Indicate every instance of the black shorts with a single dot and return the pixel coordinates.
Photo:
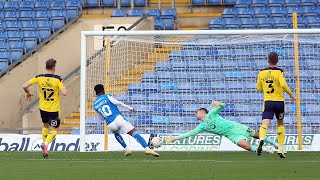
(50, 117)
(272, 108)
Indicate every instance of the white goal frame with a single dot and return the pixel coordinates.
(85, 34)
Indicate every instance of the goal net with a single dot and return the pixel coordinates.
(166, 76)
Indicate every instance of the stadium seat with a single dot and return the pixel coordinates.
(168, 24)
(276, 3)
(45, 28)
(198, 2)
(5, 56)
(169, 13)
(13, 25)
(3, 64)
(165, 76)
(150, 87)
(247, 64)
(230, 13)
(196, 65)
(58, 15)
(160, 120)
(15, 36)
(11, 6)
(265, 23)
(259, 3)
(292, 3)
(236, 75)
(229, 2)
(314, 22)
(108, 3)
(150, 77)
(155, 98)
(229, 110)
(261, 12)
(58, 5)
(308, 2)
(214, 2)
(139, 3)
(249, 23)
(311, 11)
(57, 23)
(153, 12)
(217, 23)
(26, 5)
(303, 22)
(125, 3)
(1, 15)
(138, 98)
(1, 5)
(30, 43)
(3, 36)
(278, 12)
(172, 98)
(135, 12)
(179, 65)
(43, 15)
(168, 87)
(243, 4)
(291, 10)
(4, 46)
(92, 3)
(31, 34)
(73, 5)
(245, 12)
(119, 13)
(16, 54)
(158, 23)
(72, 14)
(42, 5)
(27, 15)
(233, 23)
(282, 23)
(11, 16)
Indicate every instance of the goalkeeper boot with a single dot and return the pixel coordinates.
(259, 149)
(281, 152)
(128, 152)
(45, 151)
(152, 153)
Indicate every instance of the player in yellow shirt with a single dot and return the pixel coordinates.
(272, 83)
(50, 86)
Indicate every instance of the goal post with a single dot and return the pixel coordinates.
(167, 75)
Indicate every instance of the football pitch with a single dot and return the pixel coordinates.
(170, 165)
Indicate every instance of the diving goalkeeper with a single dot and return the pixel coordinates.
(212, 122)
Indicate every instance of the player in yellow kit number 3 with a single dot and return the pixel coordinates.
(50, 86)
(272, 83)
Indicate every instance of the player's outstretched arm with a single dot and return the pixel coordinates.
(119, 103)
(259, 84)
(217, 107)
(285, 87)
(194, 132)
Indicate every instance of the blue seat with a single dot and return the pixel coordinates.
(15, 36)
(237, 75)
(198, 76)
(168, 24)
(311, 109)
(311, 11)
(303, 22)
(160, 120)
(259, 3)
(249, 23)
(16, 55)
(13, 25)
(214, 2)
(196, 65)
(43, 15)
(247, 64)
(3, 36)
(123, 98)
(26, 5)
(58, 15)
(278, 12)
(265, 23)
(170, 97)
(31, 34)
(72, 14)
(181, 76)
(119, 13)
(5, 56)
(139, 3)
(230, 13)
(11, 6)
(292, 3)
(58, 5)
(150, 87)
(162, 66)
(155, 98)
(169, 13)
(185, 87)
(276, 3)
(198, 2)
(3, 64)
(229, 2)
(153, 12)
(57, 24)
(1, 5)
(138, 98)
(229, 110)
(165, 76)
(150, 77)
(309, 2)
(189, 109)
(92, 3)
(282, 23)
(30, 43)
(4, 46)
(108, 3)
(168, 87)
(217, 23)
(135, 12)
(233, 23)
(291, 10)
(236, 85)
(202, 86)
(27, 15)
(245, 12)
(188, 98)
(158, 24)
(261, 12)
(243, 4)
(45, 32)
(174, 109)
(42, 5)
(314, 22)
(11, 16)
(74, 5)
(176, 55)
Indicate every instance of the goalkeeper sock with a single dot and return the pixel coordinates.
(263, 132)
(269, 140)
(281, 133)
(120, 140)
(45, 132)
(51, 136)
(140, 139)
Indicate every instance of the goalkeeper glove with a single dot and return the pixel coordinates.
(171, 139)
(215, 103)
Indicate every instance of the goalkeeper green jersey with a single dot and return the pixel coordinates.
(213, 123)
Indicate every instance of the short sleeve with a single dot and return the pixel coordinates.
(33, 80)
(61, 86)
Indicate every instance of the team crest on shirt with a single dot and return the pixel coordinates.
(209, 117)
(48, 79)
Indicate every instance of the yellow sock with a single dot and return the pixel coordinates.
(281, 133)
(51, 136)
(263, 131)
(45, 132)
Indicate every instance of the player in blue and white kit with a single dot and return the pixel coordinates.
(106, 106)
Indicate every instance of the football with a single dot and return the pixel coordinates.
(156, 142)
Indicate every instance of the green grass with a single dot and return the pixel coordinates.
(171, 165)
